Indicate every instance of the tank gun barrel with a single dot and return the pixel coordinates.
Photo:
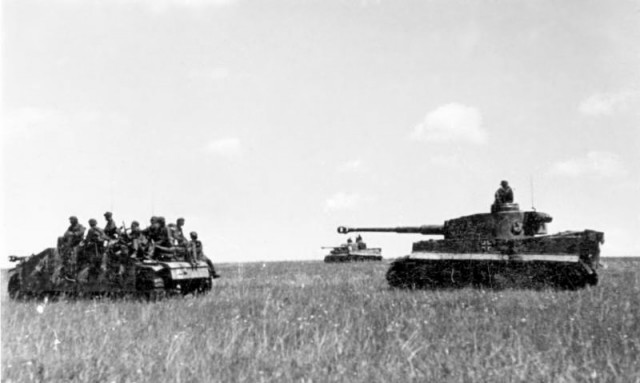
(424, 229)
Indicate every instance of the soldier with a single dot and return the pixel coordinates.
(74, 234)
(134, 240)
(111, 229)
(67, 248)
(195, 248)
(359, 243)
(178, 233)
(504, 194)
(95, 237)
(160, 238)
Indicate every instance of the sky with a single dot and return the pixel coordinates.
(267, 124)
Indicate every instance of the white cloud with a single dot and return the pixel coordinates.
(352, 166)
(600, 164)
(451, 122)
(604, 104)
(343, 201)
(226, 147)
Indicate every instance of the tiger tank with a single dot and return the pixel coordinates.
(505, 247)
(353, 252)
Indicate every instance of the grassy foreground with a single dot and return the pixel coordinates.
(315, 322)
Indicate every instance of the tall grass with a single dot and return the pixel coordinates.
(315, 322)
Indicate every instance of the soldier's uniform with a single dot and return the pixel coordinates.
(67, 245)
(502, 196)
(73, 236)
(95, 238)
(111, 229)
(196, 251)
(135, 239)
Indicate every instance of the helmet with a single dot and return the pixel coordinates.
(108, 214)
(93, 222)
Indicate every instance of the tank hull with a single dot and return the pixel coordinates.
(364, 255)
(47, 274)
(352, 258)
(568, 260)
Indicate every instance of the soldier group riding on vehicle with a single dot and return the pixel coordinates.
(154, 260)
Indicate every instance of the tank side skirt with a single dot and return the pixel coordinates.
(495, 257)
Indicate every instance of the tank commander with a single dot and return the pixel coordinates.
(111, 229)
(504, 194)
(360, 245)
(195, 249)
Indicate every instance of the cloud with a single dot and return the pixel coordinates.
(225, 147)
(600, 164)
(343, 201)
(604, 104)
(451, 122)
(352, 166)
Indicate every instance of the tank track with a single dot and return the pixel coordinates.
(427, 274)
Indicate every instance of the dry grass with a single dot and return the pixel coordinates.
(311, 321)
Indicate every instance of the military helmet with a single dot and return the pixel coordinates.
(108, 214)
(93, 222)
(193, 235)
(504, 183)
(73, 218)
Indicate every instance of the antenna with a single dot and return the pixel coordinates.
(533, 205)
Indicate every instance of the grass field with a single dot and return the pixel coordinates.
(316, 322)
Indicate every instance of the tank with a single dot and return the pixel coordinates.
(86, 272)
(353, 252)
(503, 248)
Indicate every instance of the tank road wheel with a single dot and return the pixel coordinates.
(205, 286)
(152, 289)
(14, 287)
(405, 274)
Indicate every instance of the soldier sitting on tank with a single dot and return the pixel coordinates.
(178, 234)
(73, 236)
(359, 243)
(161, 240)
(95, 238)
(111, 230)
(135, 240)
(197, 254)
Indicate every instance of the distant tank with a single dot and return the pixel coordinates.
(85, 272)
(353, 252)
(503, 248)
